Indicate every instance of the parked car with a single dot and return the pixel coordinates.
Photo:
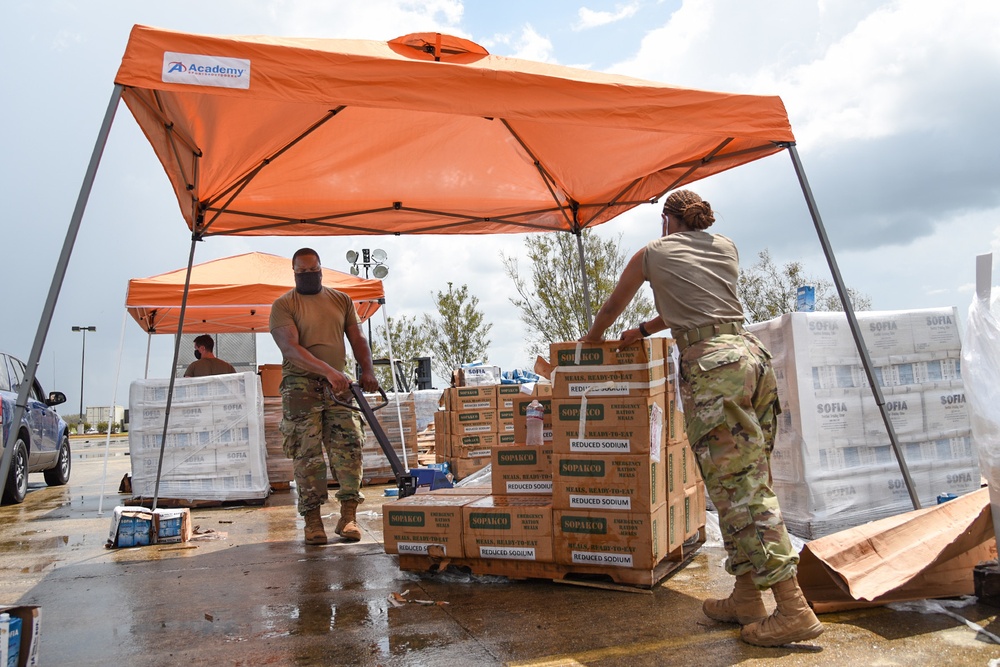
(42, 443)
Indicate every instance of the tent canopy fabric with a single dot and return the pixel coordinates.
(424, 134)
(232, 295)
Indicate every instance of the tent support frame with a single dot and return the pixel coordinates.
(852, 320)
(173, 368)
(57, 280)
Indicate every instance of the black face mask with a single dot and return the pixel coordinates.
(197, 354)
(309, 283)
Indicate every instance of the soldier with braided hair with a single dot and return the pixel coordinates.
(730, 399)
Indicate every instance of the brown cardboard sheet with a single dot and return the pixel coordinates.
(926, 553)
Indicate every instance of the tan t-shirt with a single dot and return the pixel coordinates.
(693, 277)
(321, 320)
(200, 368)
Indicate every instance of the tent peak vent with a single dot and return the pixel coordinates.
(438, 47)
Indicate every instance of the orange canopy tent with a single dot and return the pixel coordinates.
(232, 295)
(425, 134)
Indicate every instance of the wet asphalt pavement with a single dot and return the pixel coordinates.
(249, 592)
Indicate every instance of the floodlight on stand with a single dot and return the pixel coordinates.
(355, 270)
(380, 271)
(352, 257)
(379, 255)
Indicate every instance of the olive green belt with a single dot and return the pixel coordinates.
(689, 337)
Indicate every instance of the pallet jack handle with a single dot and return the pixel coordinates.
(405, 482)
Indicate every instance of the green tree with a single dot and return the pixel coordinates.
(458, 335)
(552, 301)
(768, 291)
(409, 340)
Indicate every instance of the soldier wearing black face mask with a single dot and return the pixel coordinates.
(309, 324)
(207, 363)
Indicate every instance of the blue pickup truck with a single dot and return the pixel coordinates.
(42, 443)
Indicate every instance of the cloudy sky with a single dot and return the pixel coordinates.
(893, 105)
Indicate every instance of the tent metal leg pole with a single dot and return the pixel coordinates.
(397, 390)
(111, 416)
(149, 342)
(583, 275)
(173, 370)
(852, 321)
(57, 280)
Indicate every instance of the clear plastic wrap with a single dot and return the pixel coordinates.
(981, 370)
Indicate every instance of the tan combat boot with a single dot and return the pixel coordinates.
(347, 527)
(744, 605)
(792, 621)
(314, 527)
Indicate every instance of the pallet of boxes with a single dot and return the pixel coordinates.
(613, 492)
(833, 464)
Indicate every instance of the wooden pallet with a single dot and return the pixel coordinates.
(192, 503)
(630, 580)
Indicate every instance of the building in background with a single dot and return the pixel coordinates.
(112, 415)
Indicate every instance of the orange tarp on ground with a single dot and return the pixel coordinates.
(232, 295)
(424, 134)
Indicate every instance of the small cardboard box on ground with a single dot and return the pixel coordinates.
(610, 538)
(522, 470)
(131, 526)
(30, 634)
(636, 370)
(172, 525)
(508, 528)
(415, 524)
(627, 483)
(609, 425)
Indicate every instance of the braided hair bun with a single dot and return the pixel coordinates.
(692, 210)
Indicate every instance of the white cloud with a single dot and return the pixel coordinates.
(589, 18)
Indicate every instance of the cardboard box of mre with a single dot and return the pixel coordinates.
(522, 470)
(610, 538)
(425, 524)
(636, 370)
(626, 483)
(609, 425)
(469, 398)
(509, 528)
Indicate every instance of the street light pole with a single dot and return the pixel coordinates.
(83, 361)
(369, 258)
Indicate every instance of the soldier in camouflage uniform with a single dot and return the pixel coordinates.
(730, 399)
(309, 324)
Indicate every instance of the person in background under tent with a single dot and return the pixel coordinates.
(206, 363)
(309, 324)
(730, 398)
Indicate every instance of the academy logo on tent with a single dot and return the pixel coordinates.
(201, 70)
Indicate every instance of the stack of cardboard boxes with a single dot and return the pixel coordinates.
(398, 420)
(471, 422)
(833, 463)
(612, 489)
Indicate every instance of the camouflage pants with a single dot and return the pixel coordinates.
(730, 405)
(312, 421)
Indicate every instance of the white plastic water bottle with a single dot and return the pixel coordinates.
(534, 416)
